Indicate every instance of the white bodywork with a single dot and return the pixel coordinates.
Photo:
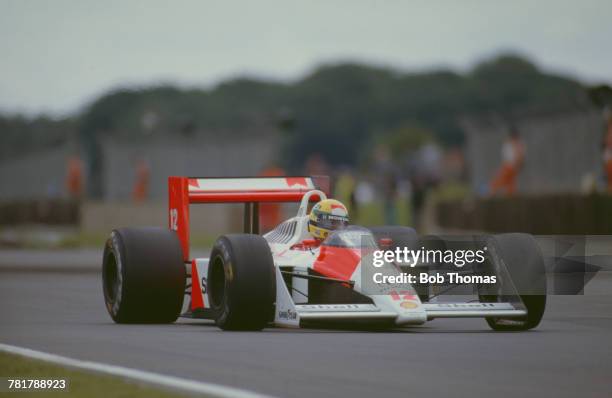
(395, 305)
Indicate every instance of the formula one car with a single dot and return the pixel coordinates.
(251, 281)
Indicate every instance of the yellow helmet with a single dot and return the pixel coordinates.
(326, 216)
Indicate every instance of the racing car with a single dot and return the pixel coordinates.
(286, 278)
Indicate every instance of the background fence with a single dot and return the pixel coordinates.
(548, 214)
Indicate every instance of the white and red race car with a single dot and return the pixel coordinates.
(285, 278)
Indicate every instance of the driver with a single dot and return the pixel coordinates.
(326, 216)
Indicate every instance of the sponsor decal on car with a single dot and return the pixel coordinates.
(288, 315)
(402, 294)
(408, 305)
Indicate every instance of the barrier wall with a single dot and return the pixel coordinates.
(547, 214)
(211, 219)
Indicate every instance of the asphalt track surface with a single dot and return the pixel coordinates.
(569, 355)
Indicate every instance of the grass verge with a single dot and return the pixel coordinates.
(81, 384)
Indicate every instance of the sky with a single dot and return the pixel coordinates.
(56, 56)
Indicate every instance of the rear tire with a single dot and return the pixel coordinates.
(143, 275)
(525, 264)
(241, 282)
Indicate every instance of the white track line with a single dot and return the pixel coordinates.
(193, 386)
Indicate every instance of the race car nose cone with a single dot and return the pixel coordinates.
(416, 317)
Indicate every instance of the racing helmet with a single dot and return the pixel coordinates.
(326, 216)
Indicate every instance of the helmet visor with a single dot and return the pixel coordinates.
(331, 221)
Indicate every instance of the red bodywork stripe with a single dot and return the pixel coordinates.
(178, 215)
(196, 288)
(337, 262)
(291, 181)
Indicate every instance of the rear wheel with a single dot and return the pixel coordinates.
(143, 275)
(241, 282)
(524, 263)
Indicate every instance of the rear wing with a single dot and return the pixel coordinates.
(183, 191)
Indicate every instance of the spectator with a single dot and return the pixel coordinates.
(141, 183)
(425, 173)
(316, 165)
(513, 156)
(74, 177)
(345, 186)
(386, 177)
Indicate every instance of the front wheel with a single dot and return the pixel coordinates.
(241, 282)
(524, 263)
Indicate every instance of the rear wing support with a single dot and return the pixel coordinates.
(184, 191)
(251, 218)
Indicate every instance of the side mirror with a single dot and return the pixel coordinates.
(385, 242)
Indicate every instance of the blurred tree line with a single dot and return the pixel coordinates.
(19, 134)
(338, 110)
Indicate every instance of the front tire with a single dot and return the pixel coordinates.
(143, 275)
(241, 282)
(525, 265)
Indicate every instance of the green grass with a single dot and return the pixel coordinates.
(81, 384)
(372, 214)
(451, 191)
